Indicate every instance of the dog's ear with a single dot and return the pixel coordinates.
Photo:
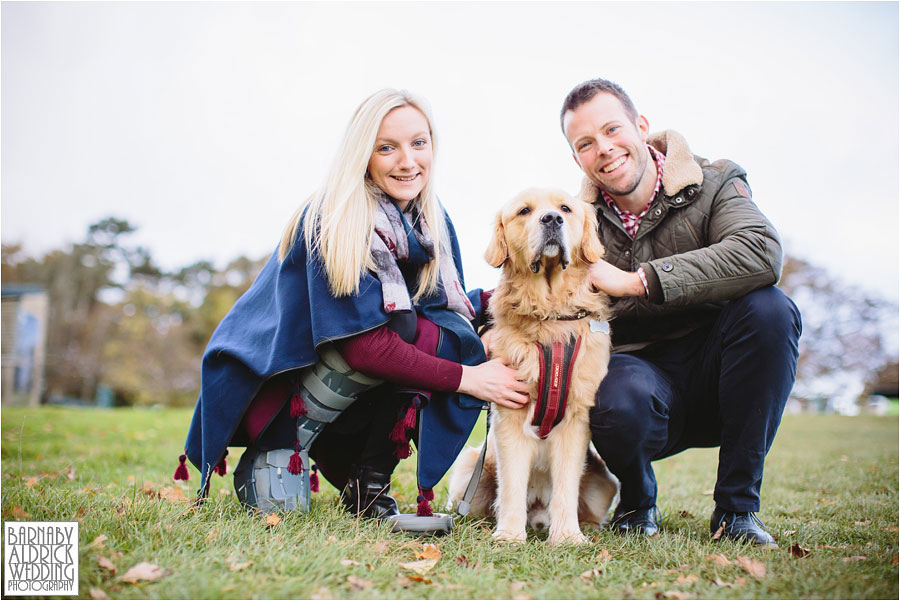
(591, 248)
(497, 252)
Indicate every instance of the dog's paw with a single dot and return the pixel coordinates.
(567, 538)
(509, 537)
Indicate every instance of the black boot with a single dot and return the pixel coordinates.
(367, 493)
(742, 526)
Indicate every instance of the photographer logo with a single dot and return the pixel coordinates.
(40, 558)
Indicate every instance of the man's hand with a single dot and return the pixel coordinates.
(615, 282)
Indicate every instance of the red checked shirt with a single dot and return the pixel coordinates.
(632, 222)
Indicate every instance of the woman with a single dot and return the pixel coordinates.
(369, 262)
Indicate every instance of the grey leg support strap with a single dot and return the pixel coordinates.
(328, 388)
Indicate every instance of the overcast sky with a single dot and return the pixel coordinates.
(205, 124)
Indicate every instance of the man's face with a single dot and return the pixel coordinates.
(610, 147)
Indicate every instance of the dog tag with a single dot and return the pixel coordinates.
(599, 326)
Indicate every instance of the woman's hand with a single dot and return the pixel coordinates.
(494, 382)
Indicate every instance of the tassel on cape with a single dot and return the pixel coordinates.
(181, 472)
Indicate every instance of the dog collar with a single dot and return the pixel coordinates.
(581, 314)
(556, 364)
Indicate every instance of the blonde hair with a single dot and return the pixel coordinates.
(340, 216)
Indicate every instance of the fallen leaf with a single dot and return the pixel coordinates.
(106, 564)
(844, 458)
(603, 556)
(272, 520)
(423, 566)
(173, 495)
(890, 529)
(719, 582)
(895, 559)
(798, 551)
(239, 566)
(359, 583)
(402, 581)
(71, 474)
(755, 568)
(789, 533)
(671, 595)
(591, 574)
(855, 558)
(421, 579)
(97, 542)
(719, 532)
(97, 593)
(18, 513)
(429, 551)
(143, 571)
(322, 593)
(825, 501)
(130, 478)
(332, 539)
(463, 561)
(516, 585)
(381, 547)
(709, 492)
(31, 481)
(740, 581)
(686, 514)
(683, 580)
(865, 523)
(718, 559)
(836, 547)
(349, 562)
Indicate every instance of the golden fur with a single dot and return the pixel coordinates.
(545, 275)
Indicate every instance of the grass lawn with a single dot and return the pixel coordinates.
(831, 488)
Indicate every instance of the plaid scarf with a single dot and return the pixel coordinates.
(391, 244)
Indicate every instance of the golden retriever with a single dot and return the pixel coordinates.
(545, 241)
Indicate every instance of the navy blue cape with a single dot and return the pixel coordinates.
(276, 326)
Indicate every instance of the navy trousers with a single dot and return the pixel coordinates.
(724, 385)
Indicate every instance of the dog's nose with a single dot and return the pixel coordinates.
(552, 218)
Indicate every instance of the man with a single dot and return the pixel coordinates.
(705, 347)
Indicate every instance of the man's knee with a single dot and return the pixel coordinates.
(624, 402)
(768, 311)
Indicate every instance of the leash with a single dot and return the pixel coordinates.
(462, 508)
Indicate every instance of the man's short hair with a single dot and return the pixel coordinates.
(586, 91)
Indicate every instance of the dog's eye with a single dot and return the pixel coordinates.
(565, 209)
(524, 211)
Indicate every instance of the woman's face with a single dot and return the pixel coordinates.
(401, 161)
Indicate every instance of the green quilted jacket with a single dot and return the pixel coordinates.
(703, 242)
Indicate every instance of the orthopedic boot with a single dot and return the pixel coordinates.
(279, 479)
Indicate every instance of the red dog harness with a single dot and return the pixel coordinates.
(553, 385)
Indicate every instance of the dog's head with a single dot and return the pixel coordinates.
(543, 227)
